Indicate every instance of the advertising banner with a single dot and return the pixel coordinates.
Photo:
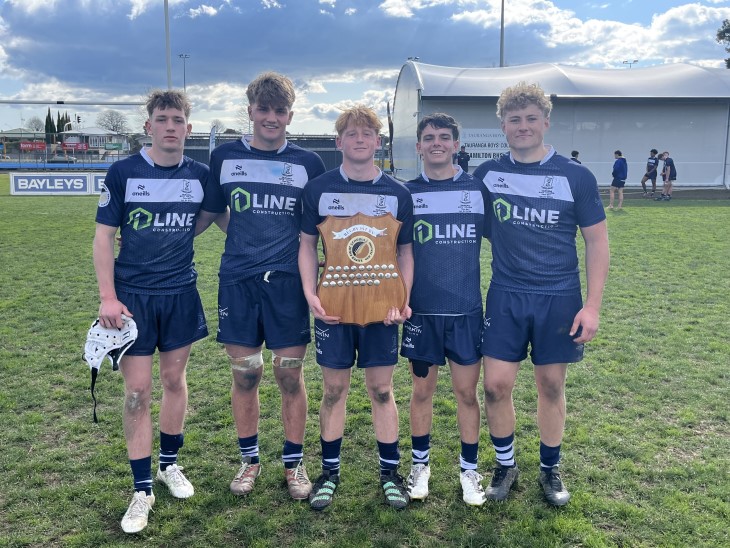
(45, 183)
(484, 144)
(32, 145)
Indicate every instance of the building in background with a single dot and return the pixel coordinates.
(679, 107)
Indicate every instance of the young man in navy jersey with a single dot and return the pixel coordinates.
(260, 295)
(652, 164)
(154, 199)
(446, 300)
(357, 186)
(669, 175)
(537, 202)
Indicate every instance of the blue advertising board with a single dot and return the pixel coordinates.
(45, 183)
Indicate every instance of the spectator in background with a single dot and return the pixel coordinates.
(574, 156)
(619, 174)
(652, 166)
(669, 175)
(462, 158)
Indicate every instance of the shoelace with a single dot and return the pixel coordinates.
(415, 475)
(299, 474)
(555, 481)
(499, 474)
(474, 479)
(174, 474)
(242, 471)
(139, 507)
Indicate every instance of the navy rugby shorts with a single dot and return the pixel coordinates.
(513, 321)
(434, 339)
(267, 307)
(165, 322)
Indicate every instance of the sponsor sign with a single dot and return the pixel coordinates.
(484, 144)
(32, 145)
(112, 146)
(96, 181)
(75, 146)
(45, 183)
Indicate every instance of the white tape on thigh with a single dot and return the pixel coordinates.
(286, 363)
(247, 363)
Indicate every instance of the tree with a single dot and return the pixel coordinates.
(723, 37)
(36, 124)
(242, 119)
(219, 126)
(113, 121)
(49, 127)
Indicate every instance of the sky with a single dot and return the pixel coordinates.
(337, 52)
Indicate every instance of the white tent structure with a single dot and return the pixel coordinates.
(681, 108)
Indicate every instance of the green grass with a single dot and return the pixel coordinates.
(647, 441)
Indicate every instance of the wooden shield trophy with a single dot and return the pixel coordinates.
(361, 280)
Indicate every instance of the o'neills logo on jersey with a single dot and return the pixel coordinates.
(419, 204)
(141, 191)
(238, 171)
(449, 233)
(335, 205)
(527, 216)
(242, 200)
(500, 183)
(141, 219)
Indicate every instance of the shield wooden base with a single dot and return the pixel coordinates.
(361, 280)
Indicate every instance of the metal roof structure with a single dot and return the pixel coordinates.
(677, 80)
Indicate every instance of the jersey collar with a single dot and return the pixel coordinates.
(346, 178)
(150, 161)
(248, 145)
(458, 173)
(550, 153)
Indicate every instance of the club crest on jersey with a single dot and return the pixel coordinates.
(287, 176)
(380, 206)
(105, 197)
(186, 194)
(546, 191)
(465, 202)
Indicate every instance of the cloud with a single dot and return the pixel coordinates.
(337, 53)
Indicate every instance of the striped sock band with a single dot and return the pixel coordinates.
(469, 456)
(249, 447)
(505, 449)
(421, 449)
(292, 454)
(331, 455)
(549, 456)
(389, 456)
(169, 446)
(142, 473)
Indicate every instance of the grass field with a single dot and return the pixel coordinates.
(646, 450)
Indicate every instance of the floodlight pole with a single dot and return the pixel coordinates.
(631, 62)
(184, 57)
(167, 46)
(501, 38)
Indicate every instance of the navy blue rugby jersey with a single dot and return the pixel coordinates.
(448, 227)
(334, 194)
(535, 210)
(652, 164)
(156, 208)
(263, 190)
